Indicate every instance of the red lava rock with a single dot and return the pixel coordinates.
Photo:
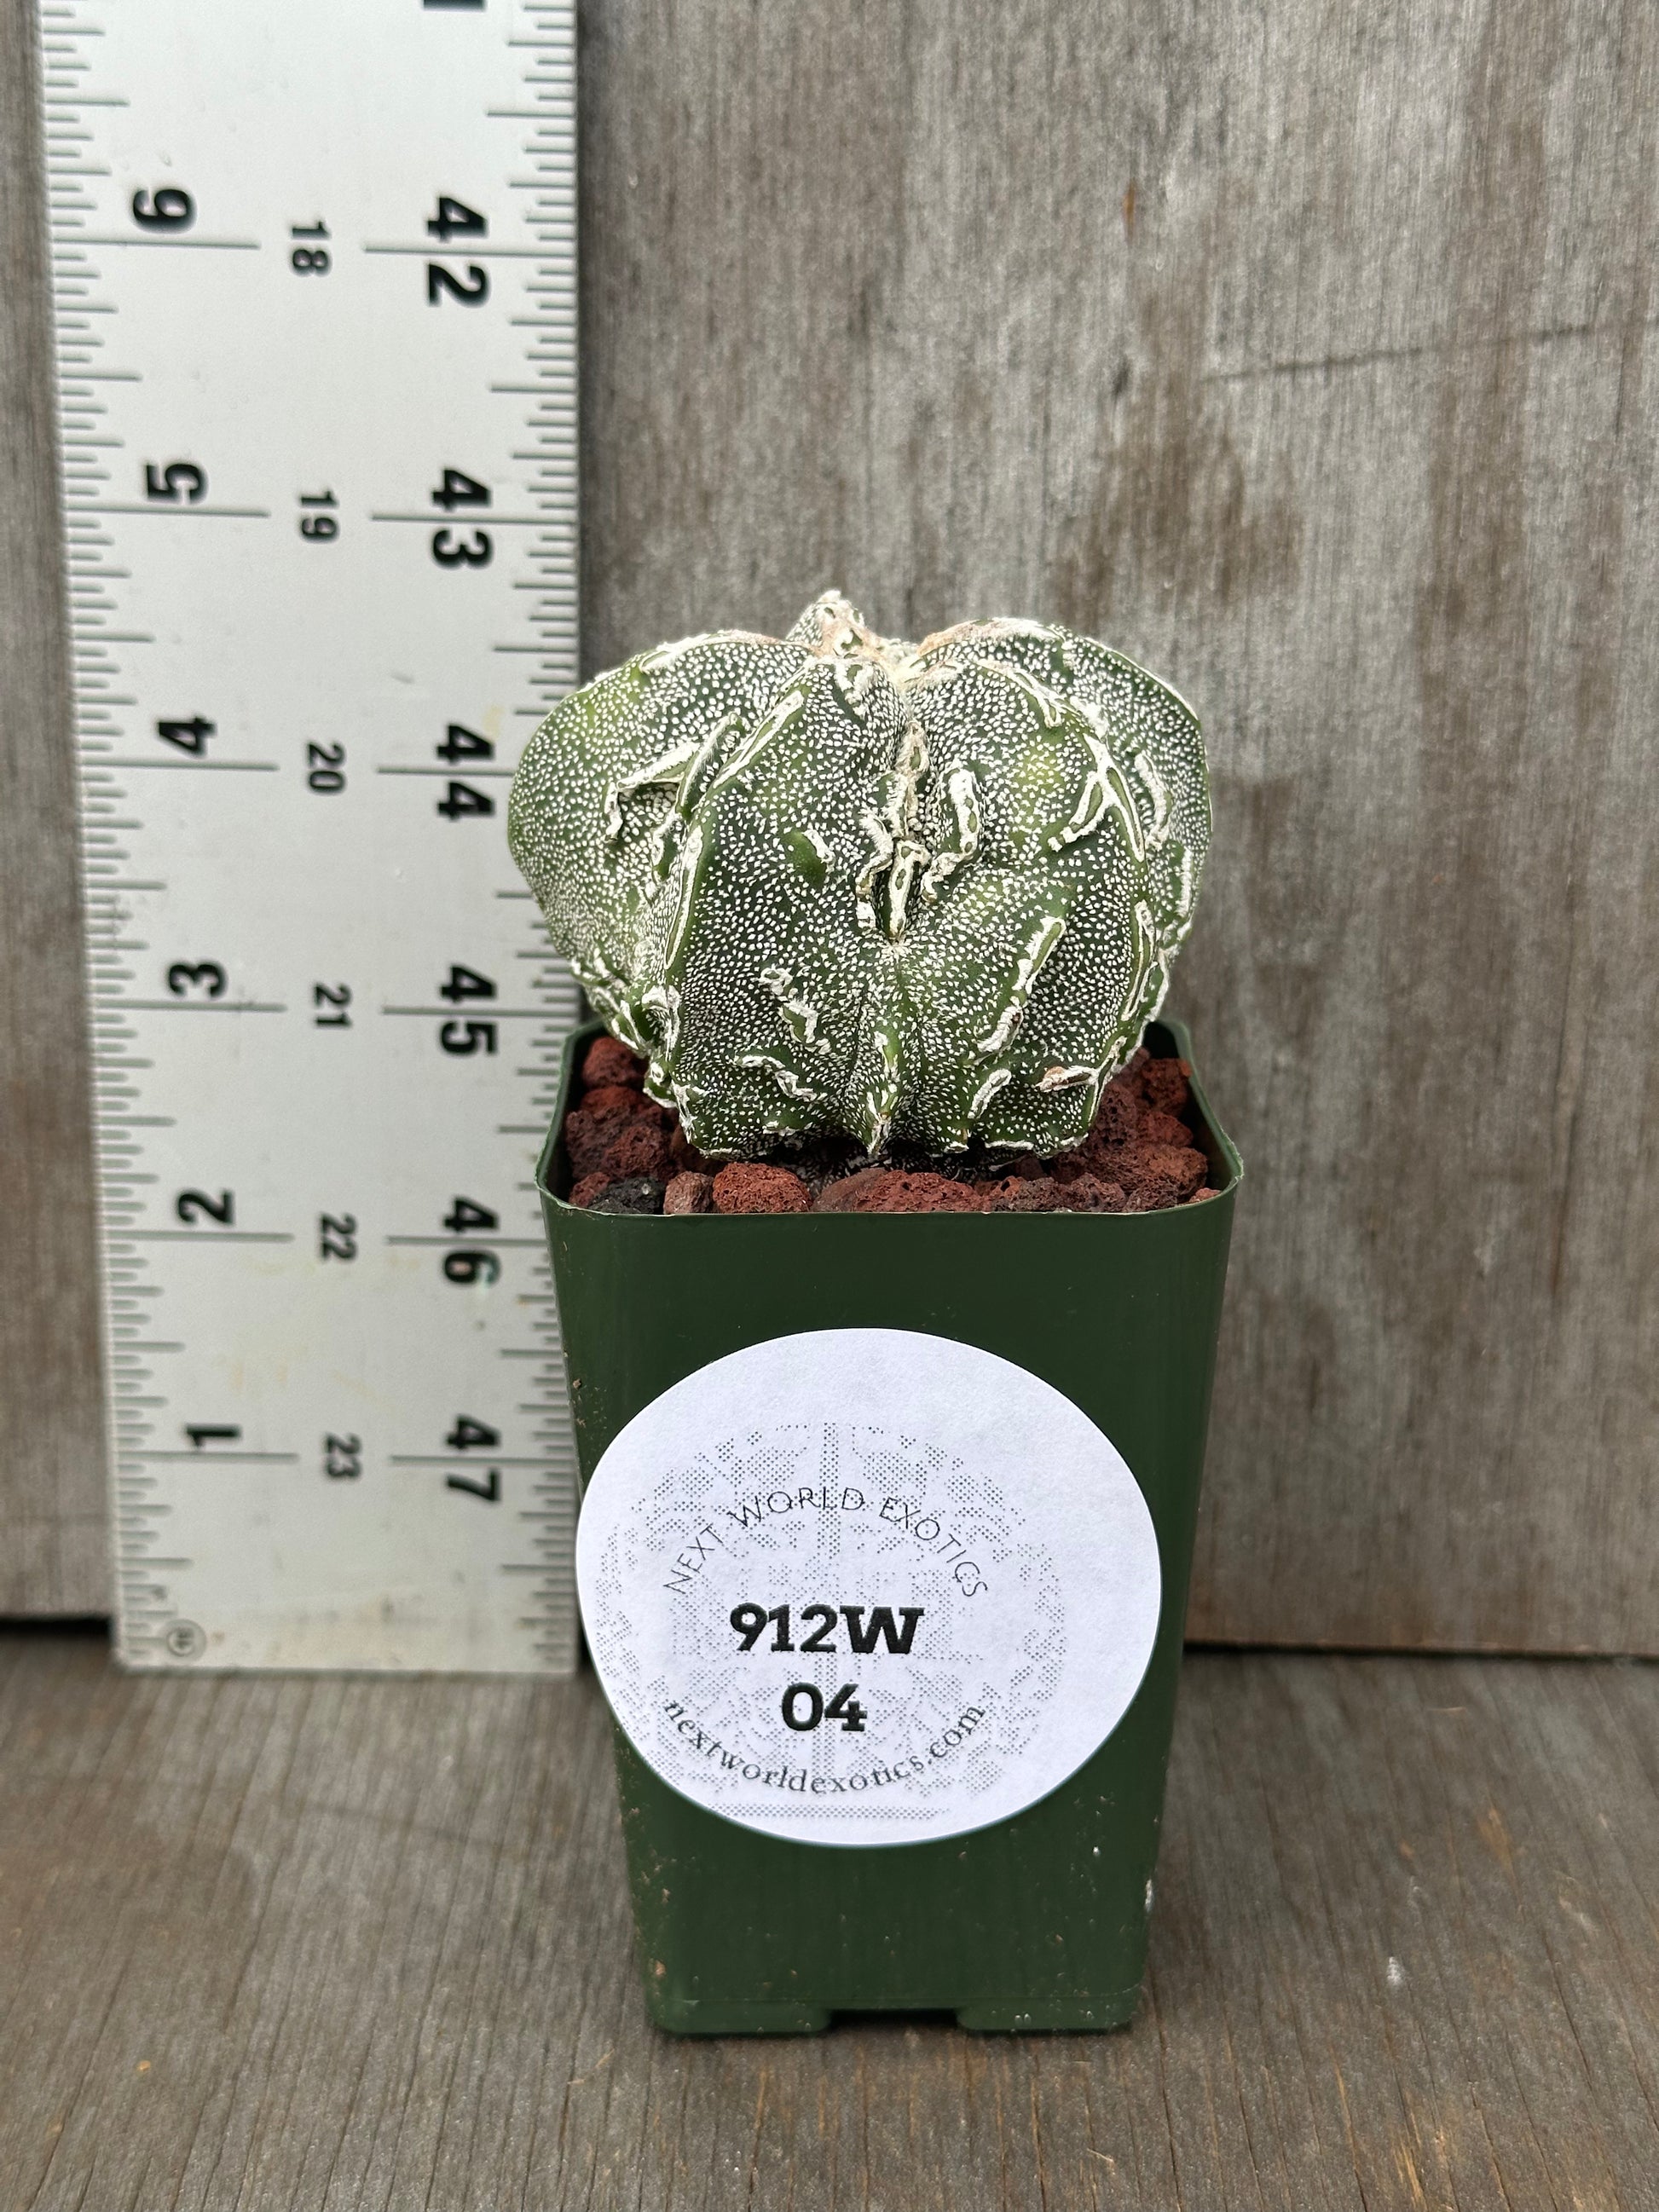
(607, 1101)
(1084, 1194)
(1160, 1128)
(747, 1186)
(1139, 1114)
(1016, 1193)
(1118, 1116)
(1066, 1167)
(586, 1141)
(689, 1193)
(637, 1148)
(617, 1145)
(1138, 1158)
(619, 1131)
(1102, 1159)
(920, 1192)
(1089, 1194)
(842, 1196)
(687, 1160)
(1164, 1083)
(606, 1061)
(1157, 1176)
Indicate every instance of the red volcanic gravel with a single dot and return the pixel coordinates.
(1165, 1083)
(1023, 1195)
(1162, 1175)
(638, 1149)
(689, 1194)
(892, 1192)
(617, 1145)
(750, 1187)
(616, 1131)
(1090, 1194)
(1118, 1116)
(843, 1197)
(586, 1142)
(687, 1160)
(1065, 1167)
(607, 1061)
(627, 1154)
(1083, 1193)
(609, 1102)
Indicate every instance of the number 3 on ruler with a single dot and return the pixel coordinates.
(221, 1121)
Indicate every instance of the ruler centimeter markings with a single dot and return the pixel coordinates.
(314, 283)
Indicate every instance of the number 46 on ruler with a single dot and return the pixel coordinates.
(316, 341)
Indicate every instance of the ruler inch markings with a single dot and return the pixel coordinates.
(275, 356)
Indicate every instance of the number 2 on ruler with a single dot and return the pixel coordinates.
(319, 432)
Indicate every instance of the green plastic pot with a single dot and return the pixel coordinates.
(1038, 1922)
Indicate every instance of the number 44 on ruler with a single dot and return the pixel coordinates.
(316, 348)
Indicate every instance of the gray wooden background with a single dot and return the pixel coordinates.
(1303, 351)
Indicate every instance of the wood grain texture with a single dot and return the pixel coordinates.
(352, 1945)
(1305, 354)
(52, 1547)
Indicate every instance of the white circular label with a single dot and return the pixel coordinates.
(865, 1586)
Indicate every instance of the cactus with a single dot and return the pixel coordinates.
(834, 882)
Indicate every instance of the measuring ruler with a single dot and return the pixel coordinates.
(315, 279)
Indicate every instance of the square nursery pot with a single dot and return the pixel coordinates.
(883, 1550)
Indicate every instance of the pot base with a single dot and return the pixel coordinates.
(710, 2016)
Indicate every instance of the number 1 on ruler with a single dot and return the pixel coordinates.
(319, 426)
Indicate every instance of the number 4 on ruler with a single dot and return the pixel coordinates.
(313, 634)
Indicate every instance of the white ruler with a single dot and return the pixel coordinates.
(314, 274)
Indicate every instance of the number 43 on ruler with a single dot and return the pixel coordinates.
(316, 338)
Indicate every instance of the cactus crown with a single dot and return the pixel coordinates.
(838, 882)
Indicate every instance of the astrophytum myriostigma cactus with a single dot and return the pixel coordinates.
(837, 882)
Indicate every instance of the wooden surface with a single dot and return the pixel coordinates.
(52, 1547)
(1303, 352)
(328, 1944)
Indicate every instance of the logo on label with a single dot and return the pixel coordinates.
(866, 1586)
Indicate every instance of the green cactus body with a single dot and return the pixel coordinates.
(837, 882)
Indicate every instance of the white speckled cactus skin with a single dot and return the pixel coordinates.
(834, 881)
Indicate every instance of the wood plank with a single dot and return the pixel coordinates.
(51, 1465)
(1303, 354)
(365, 1943)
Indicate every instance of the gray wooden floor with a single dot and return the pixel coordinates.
(308, 1943)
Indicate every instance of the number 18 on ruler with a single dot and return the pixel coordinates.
(313, 272)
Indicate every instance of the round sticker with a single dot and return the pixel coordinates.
(865, 1586)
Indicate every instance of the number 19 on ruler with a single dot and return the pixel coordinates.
(316, 343)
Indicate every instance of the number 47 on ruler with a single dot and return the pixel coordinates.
(316, 349)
